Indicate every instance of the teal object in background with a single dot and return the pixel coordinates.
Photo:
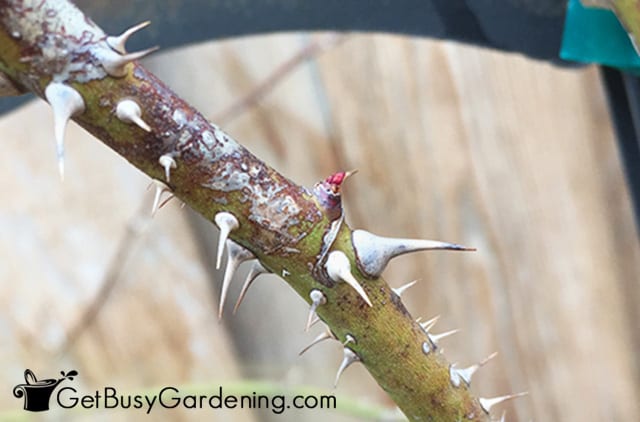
(596, 36)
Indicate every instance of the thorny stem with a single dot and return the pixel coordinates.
(283, 224)
(139, 222)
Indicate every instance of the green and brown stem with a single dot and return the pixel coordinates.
(285, 225)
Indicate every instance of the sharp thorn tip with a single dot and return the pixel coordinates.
(236, 255)
(349, 357)
(488, 403)
(321, 337)
(374, 252)
(339, 268)
(400, 290)
(256, 270)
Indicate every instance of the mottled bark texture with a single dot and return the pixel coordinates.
(52, 49)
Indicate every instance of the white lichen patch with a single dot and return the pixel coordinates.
(229, 179)
(219, 133)
(57, 17)
(179, 117)
(62, 34)
(208, 139)
(269, 206)
(225, 147)
(184, 137)
(213, 144)
(218, 145)
(272, 210)
(253, 172)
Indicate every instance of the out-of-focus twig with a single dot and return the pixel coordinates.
(259, 91)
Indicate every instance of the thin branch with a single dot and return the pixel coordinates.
(258, 92)
(52, 49)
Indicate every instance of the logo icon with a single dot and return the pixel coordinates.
(37, 392)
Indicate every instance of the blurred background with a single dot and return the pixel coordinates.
(492, 150)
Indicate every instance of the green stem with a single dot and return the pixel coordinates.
(287, 227)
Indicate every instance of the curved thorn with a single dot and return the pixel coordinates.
(166, 201)
(129, 112)
(348, 358)
(160, 188)
(255, 270)
(435, 338)
(236, 255)
(373, 252)
(168, 163)
(118, 43)
(317, 298)
(226, 222)
(400, 290)
(339, 268)
(321, 337)
(115, 64)
(315, 321)
(487, 404)
(65, 102)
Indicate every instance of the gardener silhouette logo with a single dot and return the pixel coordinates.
(37, 392)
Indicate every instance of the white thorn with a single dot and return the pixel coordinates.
(168, 163)
(315, 320)
(255, 270)
(435, 338)
(348, 358)
(339, 268)
(487, 404)
(400, 290)
(226, 222)
(326, 335)
(236, 255)
(118, 43)
(115, 63)
(349, 339)
(428, 325)
(465, 374)
(169, 198)
(374, 252)
(160, 189)
(317, 298)
(503, 418)
(129, 112)
(65, 102)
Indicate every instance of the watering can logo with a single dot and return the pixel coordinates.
(37, 392)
